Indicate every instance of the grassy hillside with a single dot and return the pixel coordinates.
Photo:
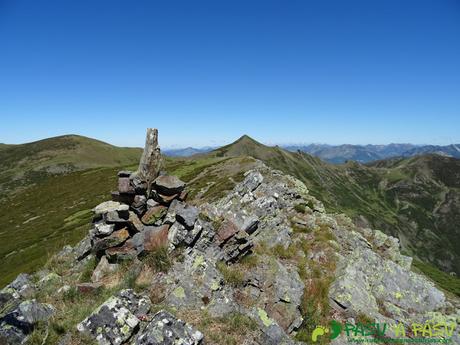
(416, 199)
(29, 163)
(39, 220)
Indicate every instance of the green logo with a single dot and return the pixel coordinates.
(335, 326)
(430, 331)
(320, 330)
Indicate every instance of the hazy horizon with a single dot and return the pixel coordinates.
(284, 144)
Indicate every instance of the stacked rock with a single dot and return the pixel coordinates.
(134, 223)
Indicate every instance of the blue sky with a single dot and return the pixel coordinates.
(206, 72)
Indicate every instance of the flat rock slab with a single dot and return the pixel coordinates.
(108, 206)
(168, 185)
(166, 329)
(117, 319)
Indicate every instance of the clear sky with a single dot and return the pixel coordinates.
(206, 72)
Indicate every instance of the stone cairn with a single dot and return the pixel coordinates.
(137, 219)
(148, 211)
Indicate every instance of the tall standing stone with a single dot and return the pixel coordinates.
(151, 161)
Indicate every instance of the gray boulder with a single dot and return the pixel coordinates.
(252, 180)
(107, 206)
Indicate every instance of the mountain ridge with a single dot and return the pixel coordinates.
(25, 163)
(397, 198)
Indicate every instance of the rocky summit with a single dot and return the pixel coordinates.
(264, 264)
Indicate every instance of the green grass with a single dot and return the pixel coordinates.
(158, 260)
(232, 329)
(442, 279)
(300, 208)
(40, 220)
(233, 275)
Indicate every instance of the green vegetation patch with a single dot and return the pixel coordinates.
(444, 280)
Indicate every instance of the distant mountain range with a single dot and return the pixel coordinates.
(338, 154)
(368, 153)
(188, 151)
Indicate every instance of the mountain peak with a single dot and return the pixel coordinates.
(244, 146)
(245, 137)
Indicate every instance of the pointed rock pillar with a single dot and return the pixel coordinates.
(151, 160)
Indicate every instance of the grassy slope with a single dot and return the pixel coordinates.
(38, 221)
(30, 163)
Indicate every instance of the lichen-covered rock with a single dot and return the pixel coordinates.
(176, 235)
(250, 183)
(165, 329)
(154, 214)
(366, 280)
(16, 325)
(103, 229)
(115, 321)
